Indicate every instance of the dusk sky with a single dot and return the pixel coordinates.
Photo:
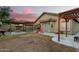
(40, 9)
(31, 13)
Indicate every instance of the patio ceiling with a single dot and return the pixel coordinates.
(70, 14)
(21, 22)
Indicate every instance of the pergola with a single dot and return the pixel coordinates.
(24, 23)
(67, 15)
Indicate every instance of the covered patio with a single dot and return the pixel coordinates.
(72, 14)
(23, 25)
(66, 39)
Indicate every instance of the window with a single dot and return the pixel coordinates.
(51, 25)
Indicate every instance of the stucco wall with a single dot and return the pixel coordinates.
(63, 26)
(52, 27)
(75, 27)
(47, 17)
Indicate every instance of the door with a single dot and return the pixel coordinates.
(46, 27)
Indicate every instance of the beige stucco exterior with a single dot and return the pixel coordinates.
(46, 17)
(72, 26)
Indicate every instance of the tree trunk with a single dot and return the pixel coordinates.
(10, 29)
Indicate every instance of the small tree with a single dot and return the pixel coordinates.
(5, 14)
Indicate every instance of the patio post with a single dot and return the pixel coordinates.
(66, 27)
(23, 27)
(59, 28)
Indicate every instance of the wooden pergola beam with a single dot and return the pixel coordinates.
(76, 10)
(71, 16)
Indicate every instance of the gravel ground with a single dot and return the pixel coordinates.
(32, 42)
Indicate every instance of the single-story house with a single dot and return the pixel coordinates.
(49, 23)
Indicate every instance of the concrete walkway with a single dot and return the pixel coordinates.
(14, 33)
(68, 41)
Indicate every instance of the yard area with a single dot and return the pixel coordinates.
(31, 42)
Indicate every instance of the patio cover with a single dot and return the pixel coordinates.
(67, 15)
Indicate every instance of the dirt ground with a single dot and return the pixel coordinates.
(32, 42)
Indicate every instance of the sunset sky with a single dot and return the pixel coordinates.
(40, 9)
(31, 13)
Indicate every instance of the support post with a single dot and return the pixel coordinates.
(23, 27)
(9, 29)
(40, 28)
(59, 28)
(66, 28)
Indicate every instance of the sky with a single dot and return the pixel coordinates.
(40, 9)
(31, 13)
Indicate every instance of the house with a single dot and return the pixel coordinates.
(49, 23)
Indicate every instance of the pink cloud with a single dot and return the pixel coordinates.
(24, 17)
(27, 11)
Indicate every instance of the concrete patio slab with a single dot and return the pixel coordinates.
(68, 41)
